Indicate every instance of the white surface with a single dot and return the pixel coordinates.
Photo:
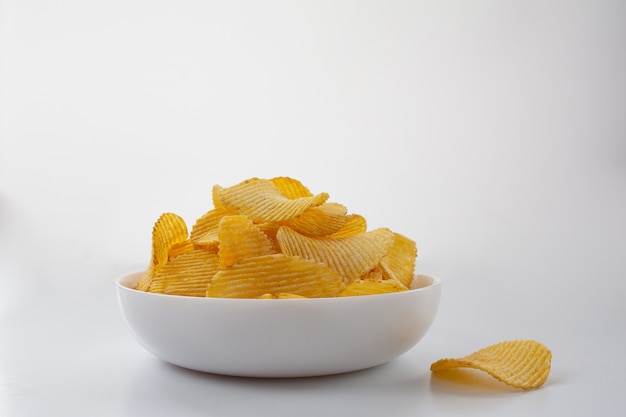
(491, 132)
(279, 338)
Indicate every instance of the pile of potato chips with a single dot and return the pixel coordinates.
(273, 238)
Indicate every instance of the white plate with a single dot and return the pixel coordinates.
(279, 337)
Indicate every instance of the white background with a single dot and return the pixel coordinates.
(491, 132)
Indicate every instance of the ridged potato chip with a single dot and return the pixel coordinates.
(207, 225)
(262, 201)
(523, 364)
(169, 230)
(321, 220)
(239, 238)
(273, 274)
(188, 274)
(270, 230)
(369, 287)
(350, 256)
(209, 241)
(179, 249)
(355, 224)
(399, 262)
(291, 188)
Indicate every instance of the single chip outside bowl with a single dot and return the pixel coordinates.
(279, 338)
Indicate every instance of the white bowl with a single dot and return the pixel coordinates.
(279, 337)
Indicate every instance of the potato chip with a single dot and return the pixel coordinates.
(270, 229)
(291, 188)
(169, 230)
(320, 220)
(217, 203)
(209, 241)
(521, 364)
(369, 287)
(179, 249)
(188, 274)
(206, 224)
(350, 256)
(355, 224)
(239, 238)
(262, 201)
(399, 262)
(146, 278)
(274, 274)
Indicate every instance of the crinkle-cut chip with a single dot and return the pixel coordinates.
(320, 220)
(291, 188)
(275, 274)
(209, 222)
(399, 262)
(369, 287)
(521, 364)
(168, 230)
(209, 241)
(355, 225)
(179, 249)
(270, 230)
(146, 278)
(263, 201)
(350, 256)
(239, 238)
(187, 274)
(217, 203)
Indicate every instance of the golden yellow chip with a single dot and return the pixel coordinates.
(291, 188)
(208, 224)
(321, 220)
(180, 248)
(369, 287)
(274, 274)
(270, 230)
(355, 224)
(521, 364)
(263, 201)
(209, 241)
(350, 256)
(187, 274)
(146, 278)
(169, 230)
(399, 262)
(217, 203)
(239, 238)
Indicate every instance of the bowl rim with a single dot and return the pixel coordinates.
(124, 282)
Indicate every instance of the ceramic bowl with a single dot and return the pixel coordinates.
(279, 337)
